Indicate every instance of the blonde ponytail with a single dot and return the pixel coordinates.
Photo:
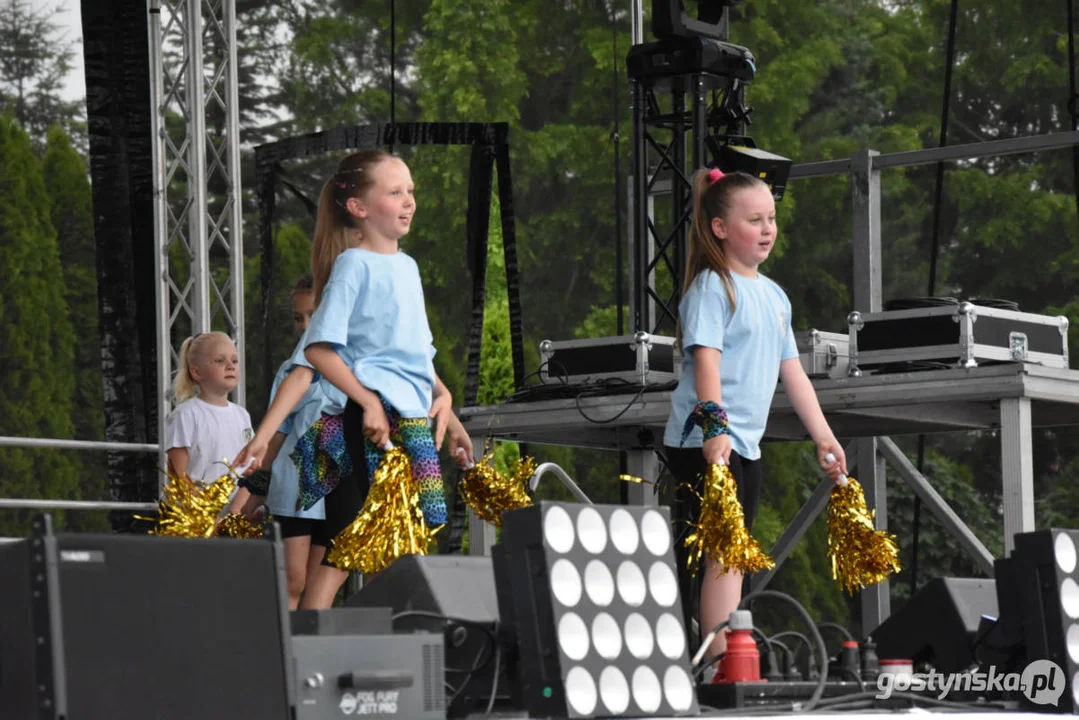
(185, 387)
(711, 199)
(351, 180)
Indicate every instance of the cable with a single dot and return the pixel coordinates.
(623, 411)
(706, 642)
(498, 669)
(495, 649)
(748, 600)
(830, 704)
(836, 626)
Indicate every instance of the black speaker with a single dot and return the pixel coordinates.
(939, 624)
(113, 627)
(454, 595)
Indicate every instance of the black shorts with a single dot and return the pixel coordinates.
(299, 527)
(344, 503)
(686, 465)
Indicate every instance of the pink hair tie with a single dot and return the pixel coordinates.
(714, 174)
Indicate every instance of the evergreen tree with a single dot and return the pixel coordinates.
(36, 337)
(34, 59)
(71, 211)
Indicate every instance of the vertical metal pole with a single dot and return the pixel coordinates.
(196, 169)
(680, 195)
(236, 218)
(865, 220)
(636, 21)
(1017, 469)
(641, 308)
(161, 234)
(643, 464)
(876, 599)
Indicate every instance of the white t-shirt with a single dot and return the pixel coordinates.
(211, 433)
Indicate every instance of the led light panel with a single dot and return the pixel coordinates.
(595, 601)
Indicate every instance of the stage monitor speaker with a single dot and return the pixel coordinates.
(118, 627)
(453, 595)
(938, 625)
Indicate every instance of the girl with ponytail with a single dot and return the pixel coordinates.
(736, 338)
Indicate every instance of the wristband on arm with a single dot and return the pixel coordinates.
(710, 418)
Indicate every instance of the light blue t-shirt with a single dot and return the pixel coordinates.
(372, 313)
(753, 340)
(284, 484)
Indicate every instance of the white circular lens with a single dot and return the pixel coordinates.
(624, 533)
(573, 636)
(631, 584)
(678, 688)
(598, 583)
(580, 691)
(1064, 549)
(591, 530)
(565, 582)
(1075, 689)
(670, 636)
(646, 690)
(614, 690)
(558, 529)
(606, 637)
(663, 584)
(639, 640)
(1072, 641)
(1069, 598)
(655, 532)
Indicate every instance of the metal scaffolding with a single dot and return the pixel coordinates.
(198, 223)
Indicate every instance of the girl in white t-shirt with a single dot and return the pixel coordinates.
(206, 431)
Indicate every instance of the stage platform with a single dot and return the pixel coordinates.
(868, 406)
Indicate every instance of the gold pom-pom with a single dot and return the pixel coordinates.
(720, 531)
(235, 525)
(490, 493)
(390, 524)
(860, 554)
(191, 509)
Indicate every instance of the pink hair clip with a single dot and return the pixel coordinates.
(714, 174)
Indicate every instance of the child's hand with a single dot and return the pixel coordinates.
(250, 458)
(376, 426)
(460, 445)
(441, 412)
(834, 467)
(717, 450)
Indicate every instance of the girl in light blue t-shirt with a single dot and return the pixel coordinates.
(735, 333)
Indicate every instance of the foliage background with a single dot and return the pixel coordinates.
(834, 76)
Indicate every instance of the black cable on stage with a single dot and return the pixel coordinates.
(934, 252)
(393, 69)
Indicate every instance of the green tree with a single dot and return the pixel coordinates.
(36, 337)
(34, 59)
(71, 213)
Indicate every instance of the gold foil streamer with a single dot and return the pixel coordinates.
(389, 525)
(860, 554)
(489, 493)
(720, 531)
(235, 525)
(191, 509)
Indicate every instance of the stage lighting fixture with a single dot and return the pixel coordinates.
(1045, 565)
(593, 594)
(670, 19)
(732, 154)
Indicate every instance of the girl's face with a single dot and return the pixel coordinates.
(749, 230)
(217, 366)
(387, 207)
(303, 307)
